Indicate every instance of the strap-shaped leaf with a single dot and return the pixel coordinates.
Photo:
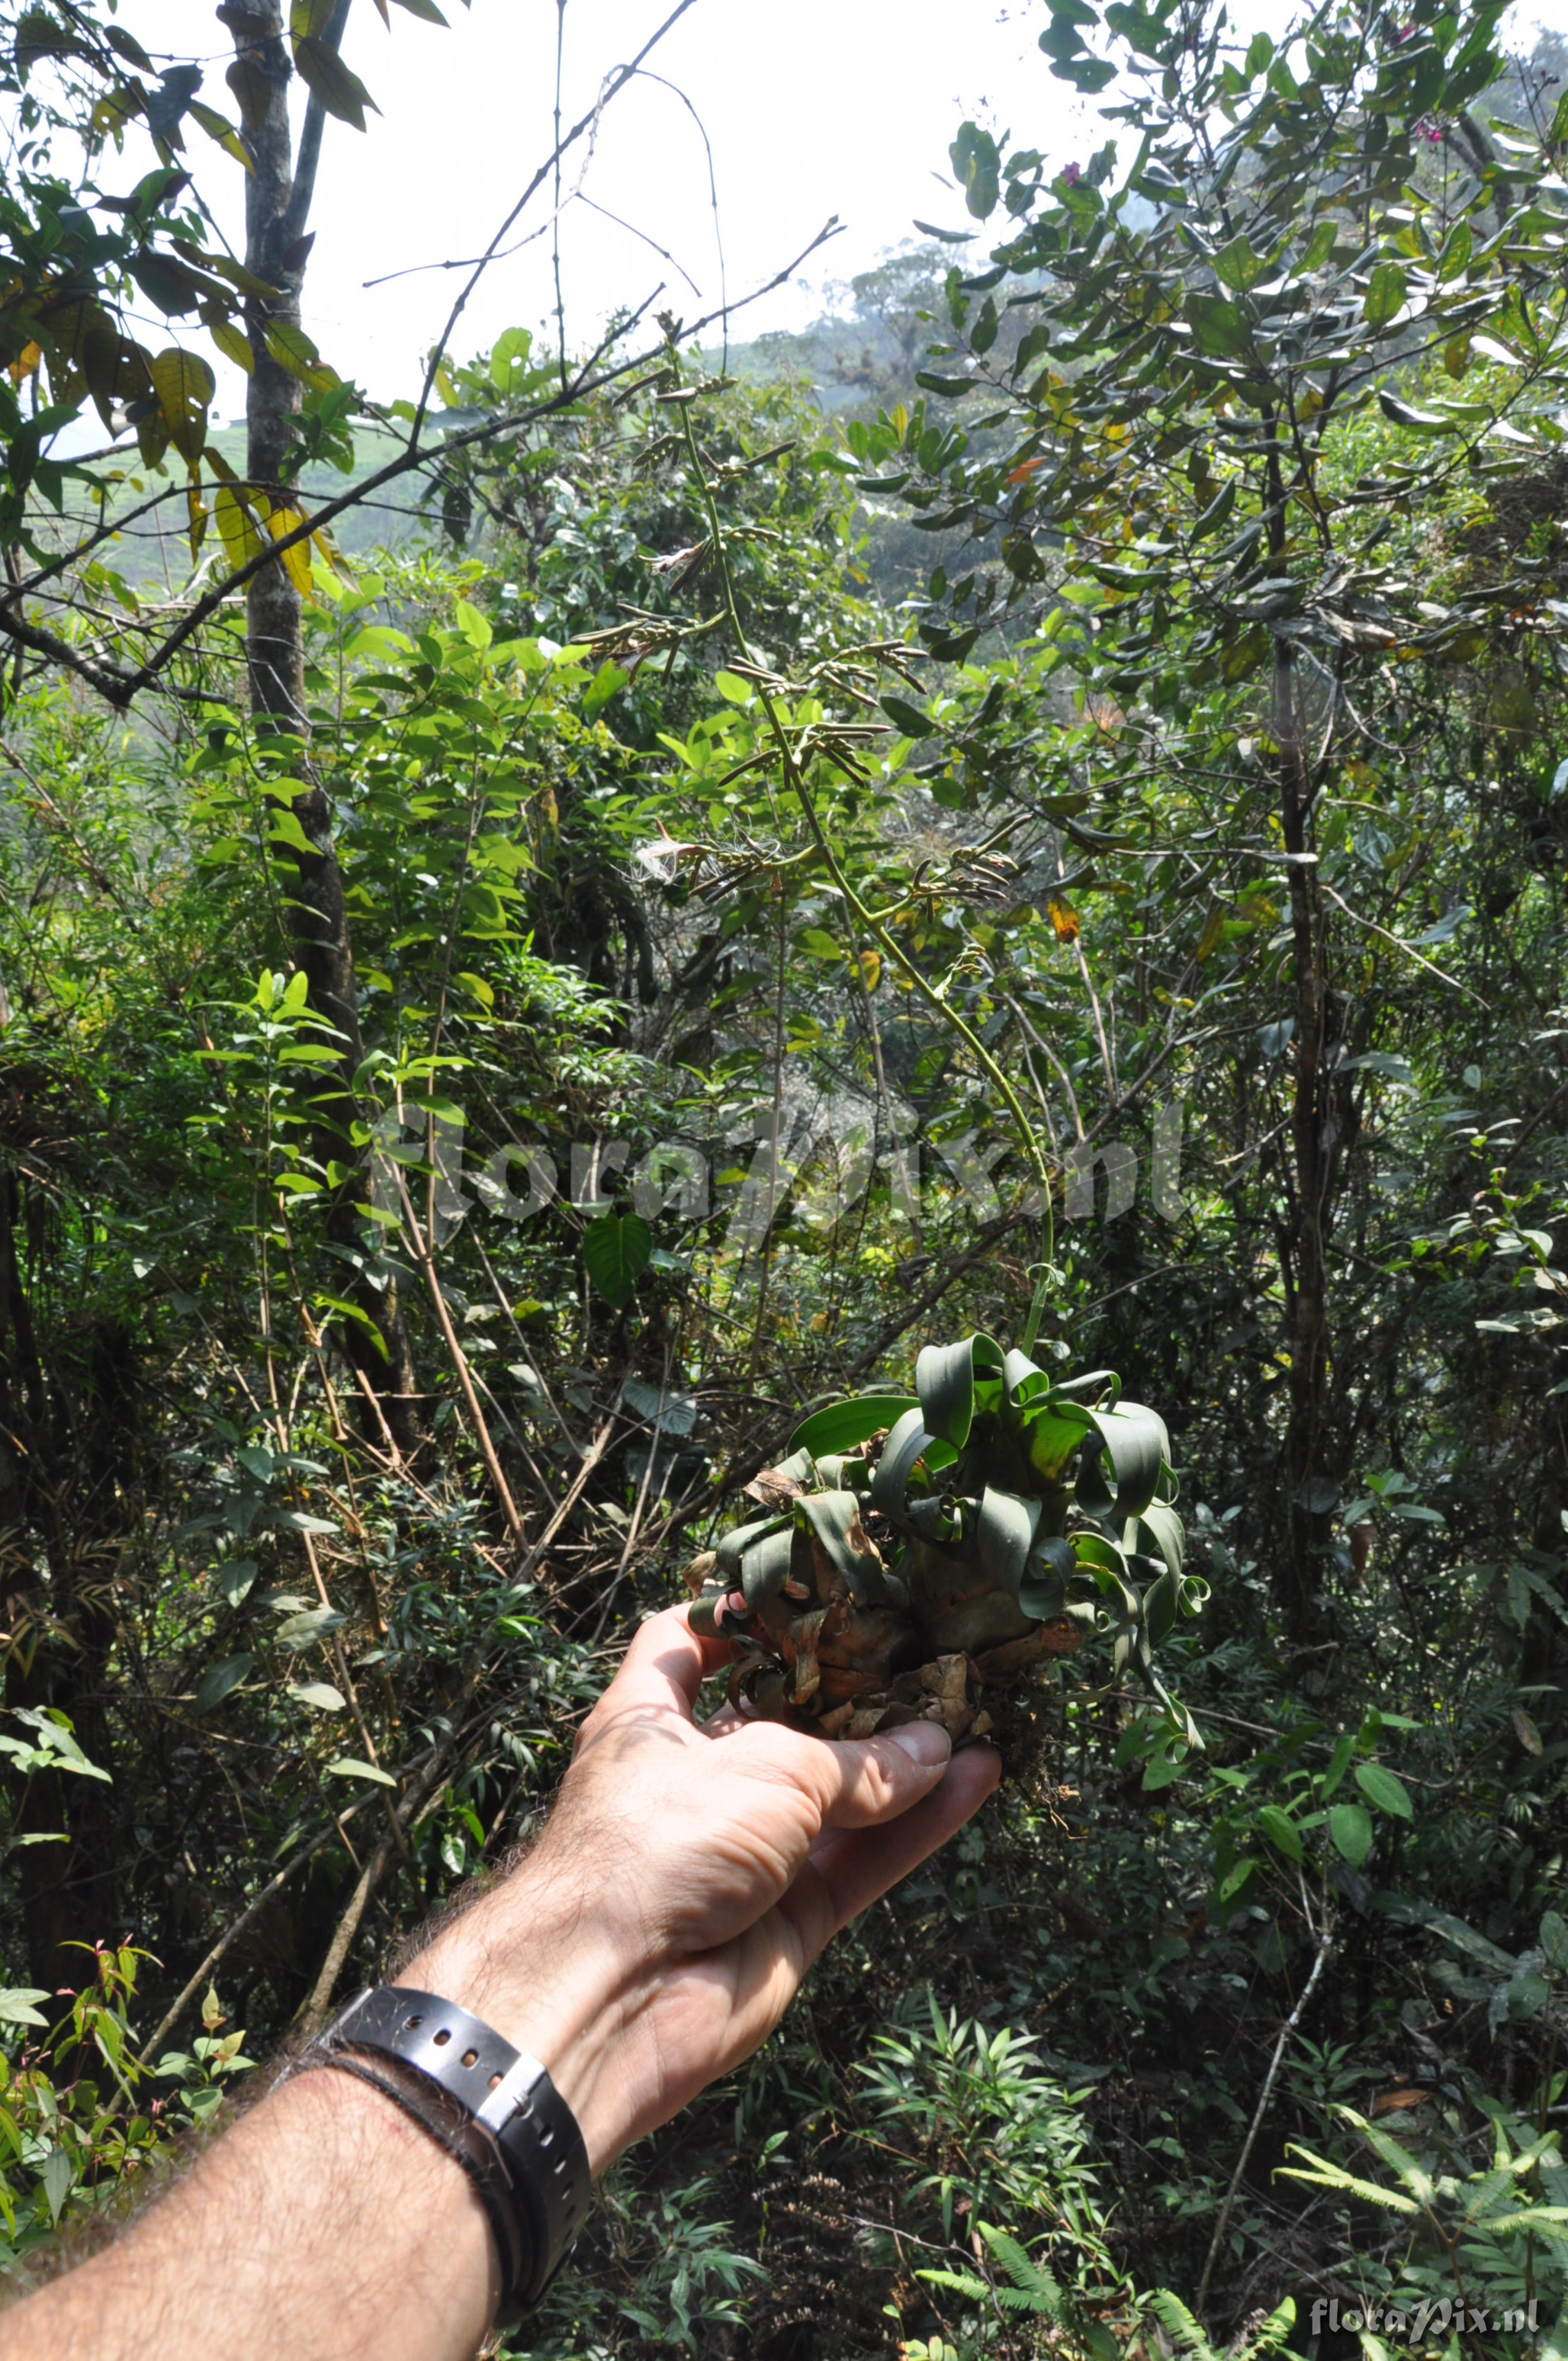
(1024, 1383)
(833, 1521)
(764, 1567)
(1132, 1647)
(732, 1547)
(1004, 1528)
(935, 1519)
(904, 1446)
(975, 1475)
(1159, 1607)
(1051, 1436)
(1121, 1478)
(1043, 1593)
(1162, 1532)
(843, 1424)
(1107, 1567)
(842, 1471)
(955, 1380)
(1093, 1381)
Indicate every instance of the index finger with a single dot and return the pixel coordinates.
(662, 1670)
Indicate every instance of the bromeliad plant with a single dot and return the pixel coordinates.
(912, 1555)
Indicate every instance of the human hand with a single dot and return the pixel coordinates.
(687, 1879)
(685, 1882)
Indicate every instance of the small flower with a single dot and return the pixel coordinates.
(1072, 174)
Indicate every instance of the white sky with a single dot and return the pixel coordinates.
(815, 107)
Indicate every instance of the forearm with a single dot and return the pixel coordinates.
(687, 1879)
(325, 2226)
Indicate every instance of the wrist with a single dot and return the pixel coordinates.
(551, 1982)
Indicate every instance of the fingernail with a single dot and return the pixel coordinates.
(927, 1741)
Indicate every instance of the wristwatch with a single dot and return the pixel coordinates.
(492, 2108)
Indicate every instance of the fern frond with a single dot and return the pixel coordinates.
(1179, 2325)
(1333, 2176)
(1034, 2288)
(1271, 2336)
(1400, 2159)
(962, 2283)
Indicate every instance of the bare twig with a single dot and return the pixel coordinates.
(420, 1247)
(232, 1934)
(419, 1798)
(590, 1460)
(1325, 1945)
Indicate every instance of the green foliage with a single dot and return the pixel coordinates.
(1216, 827)
(81, 2118)
(1015, 2139)
(1491, 2239)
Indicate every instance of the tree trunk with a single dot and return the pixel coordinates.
(278, 203)
(68, 1425)
(1310, 1490)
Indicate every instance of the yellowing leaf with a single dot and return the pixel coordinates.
(197, 511)
(297, 556)
(218, 127)
(1212, 936)
(232, 343)
(240, 539)
(1063, 918)
(184, 385)
(870, 970)
(292, 350)
(331, 567)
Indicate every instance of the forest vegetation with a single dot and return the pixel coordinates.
(551, 929)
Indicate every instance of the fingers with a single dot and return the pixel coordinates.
(852, 1867)
(855, 1782)
(663, 1671)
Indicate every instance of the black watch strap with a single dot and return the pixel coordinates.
(493, 2108)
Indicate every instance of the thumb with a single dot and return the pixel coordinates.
(875, 1779)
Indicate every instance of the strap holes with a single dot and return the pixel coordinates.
(495, 2082)
(411, 2024)
(442, 2036)
(471, 2057)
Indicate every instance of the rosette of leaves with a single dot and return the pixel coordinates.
(912, 1556)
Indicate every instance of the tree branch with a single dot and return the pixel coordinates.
(118, 685)
(303, 187)
(616, 84)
